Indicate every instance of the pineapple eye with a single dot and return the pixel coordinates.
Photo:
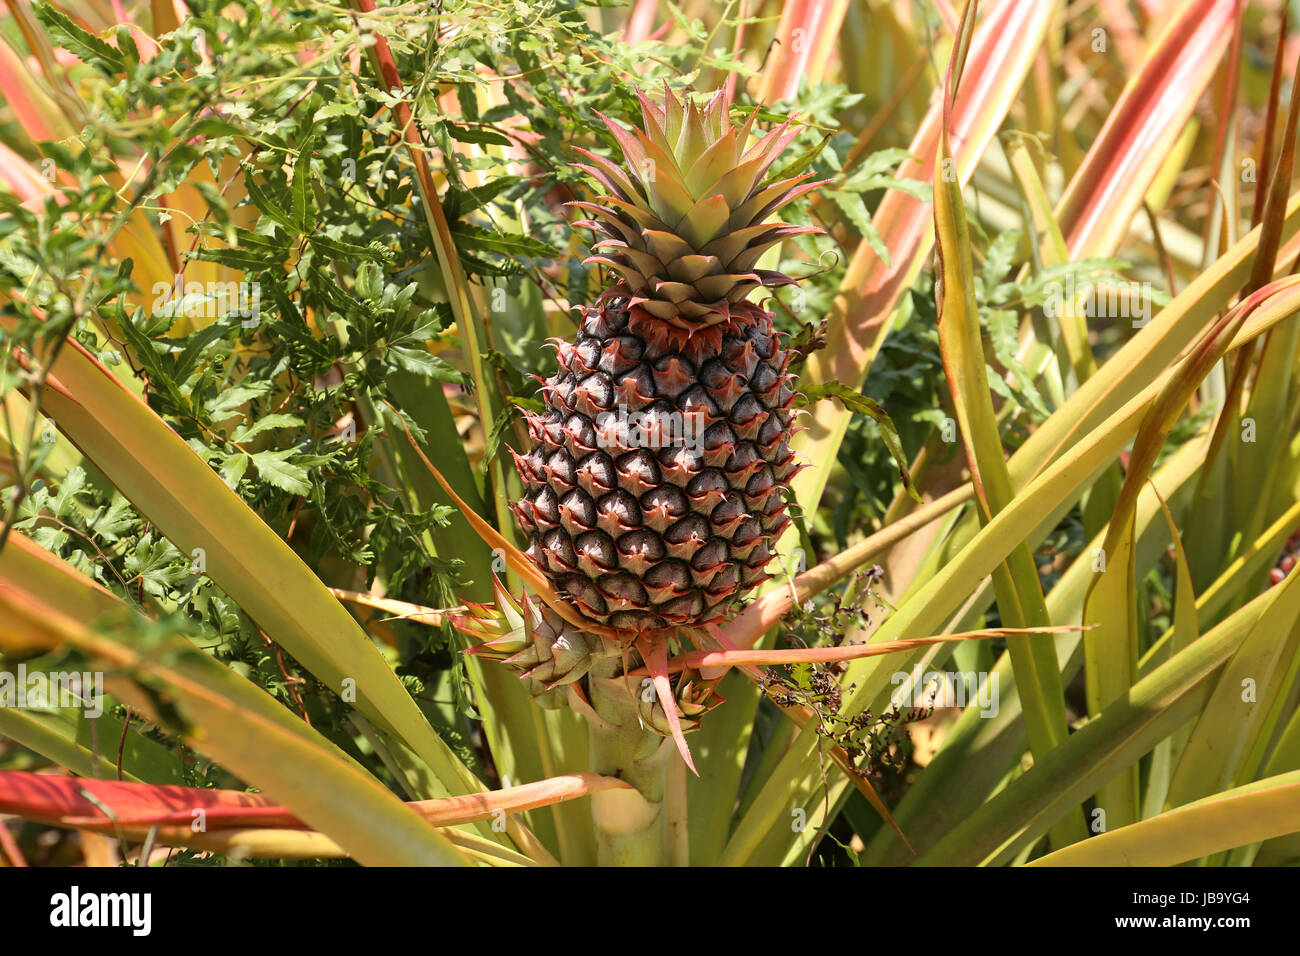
(577, 511)
(639, 468)
(596, 548)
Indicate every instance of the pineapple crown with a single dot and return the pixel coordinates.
(685, 218)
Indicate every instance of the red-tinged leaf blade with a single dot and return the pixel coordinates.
(804, 38)
(107, 804)
(76, 801)
(1106, 192)
(695, 660)
(655, 654)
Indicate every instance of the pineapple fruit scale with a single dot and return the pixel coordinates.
(656, 477)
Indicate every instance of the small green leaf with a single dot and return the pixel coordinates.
(302, 212)
(477, 134)
(82, 42)
(276, 470)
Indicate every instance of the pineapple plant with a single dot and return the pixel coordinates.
(657, 472)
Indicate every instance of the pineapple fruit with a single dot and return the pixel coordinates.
(655, 480)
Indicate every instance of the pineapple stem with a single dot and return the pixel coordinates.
(631, 825)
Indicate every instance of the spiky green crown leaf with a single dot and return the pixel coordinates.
(685, 219)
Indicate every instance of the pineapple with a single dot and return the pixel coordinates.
(656, 475)
(655, 481)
